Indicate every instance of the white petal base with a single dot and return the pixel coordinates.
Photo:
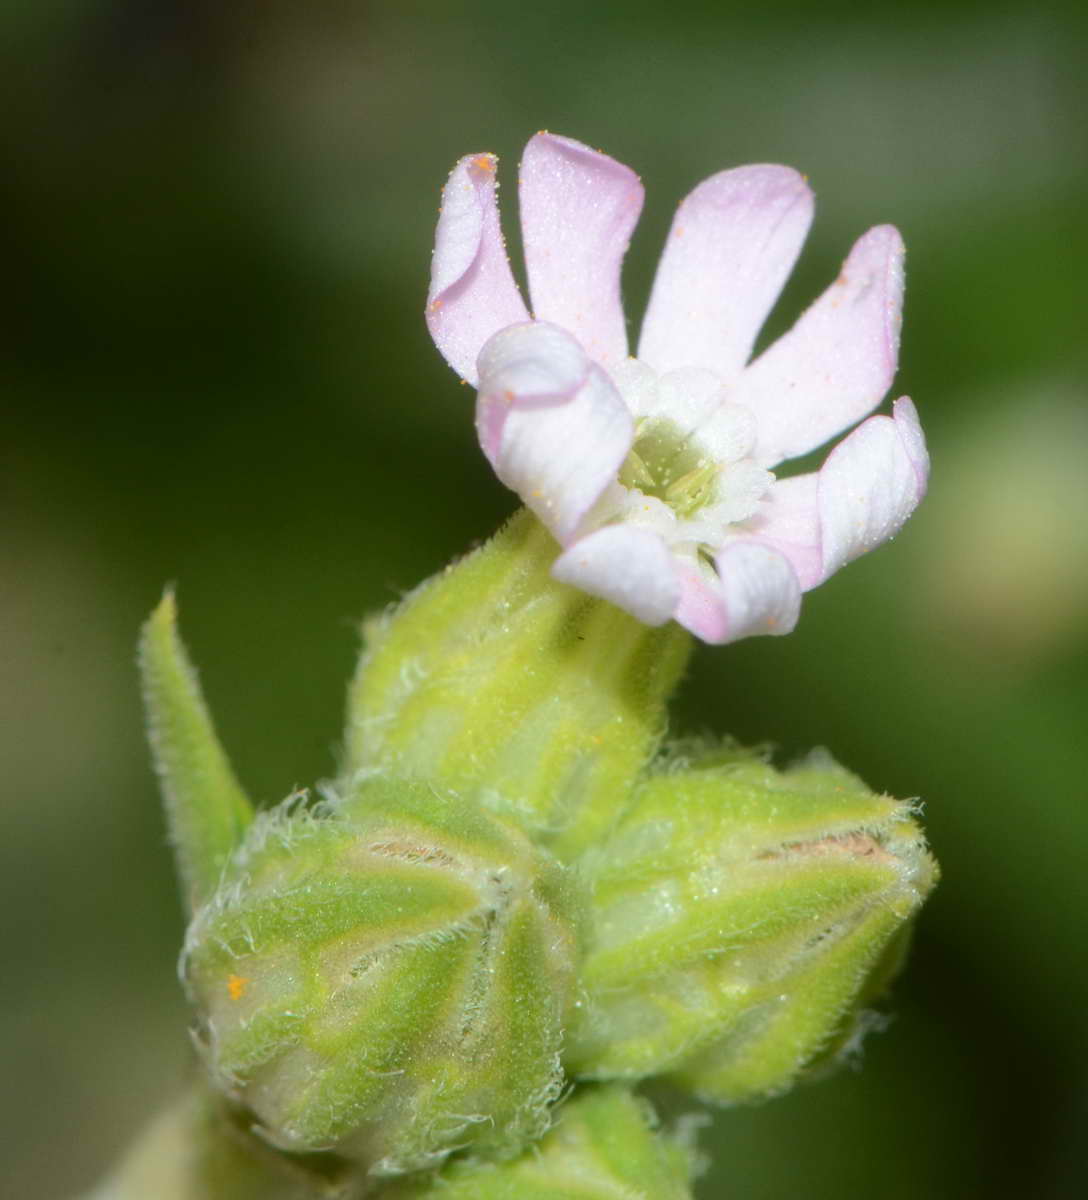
(628, 566)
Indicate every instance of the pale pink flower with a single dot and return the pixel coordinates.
(654, 472)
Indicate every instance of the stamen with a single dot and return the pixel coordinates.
(636, 474)
(690, 492)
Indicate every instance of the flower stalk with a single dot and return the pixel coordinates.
(497, 681)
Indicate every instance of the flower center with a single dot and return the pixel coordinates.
(664, 463)
(689, 473)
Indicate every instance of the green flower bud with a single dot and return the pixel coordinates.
(497, 681)
(604, 1146)
(741, 918)
(386, 975)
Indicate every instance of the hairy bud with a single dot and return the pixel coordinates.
(741, 919)
(386, 975)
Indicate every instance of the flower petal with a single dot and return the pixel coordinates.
(551, 422)
(870, 484)
(906, 419)
(760, 590)
(756, 592)
(867, 488)
(837, 362)
(701, 608)
(578, 209)
(629, 566)
(732, 245)
(472, 293)
(789, 521)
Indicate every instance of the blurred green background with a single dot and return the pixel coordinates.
(219, 221)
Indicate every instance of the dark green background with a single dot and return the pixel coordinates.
(219, 220)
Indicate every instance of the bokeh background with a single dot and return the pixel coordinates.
(218, 226)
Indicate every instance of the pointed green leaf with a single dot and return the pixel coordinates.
(206, 808)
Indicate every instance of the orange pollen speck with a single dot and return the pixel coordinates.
(484, 161)
(237, 985)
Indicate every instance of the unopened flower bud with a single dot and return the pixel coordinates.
(387, 976)
(741, 919)
(605, 1145)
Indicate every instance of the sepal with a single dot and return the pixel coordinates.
(515, 690)
(206, 809)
